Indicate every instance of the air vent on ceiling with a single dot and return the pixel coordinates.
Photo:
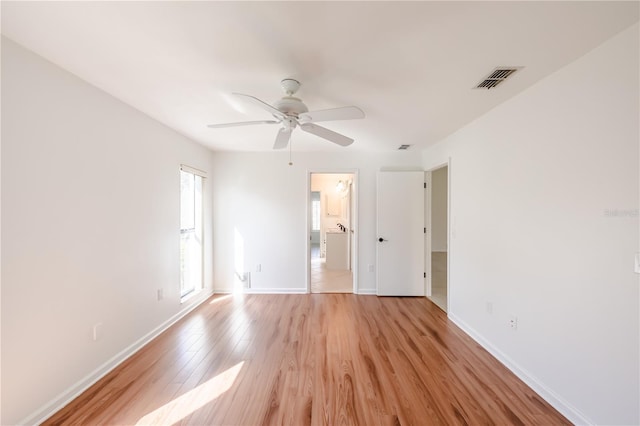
(404, 147)
(496, 77)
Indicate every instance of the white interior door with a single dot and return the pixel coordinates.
(400, 246)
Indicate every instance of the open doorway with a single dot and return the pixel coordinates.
(331, 232)
(439, 252)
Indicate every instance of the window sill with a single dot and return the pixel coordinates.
(190, 295)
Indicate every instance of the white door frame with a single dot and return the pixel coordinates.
(428, 239)
(354, 226)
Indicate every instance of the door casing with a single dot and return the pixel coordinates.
(428, 236)
(354, 218)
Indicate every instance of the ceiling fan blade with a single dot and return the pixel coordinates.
(275, 112)
(327, 134)
(282, 139)
(242, 123)
(343, 113)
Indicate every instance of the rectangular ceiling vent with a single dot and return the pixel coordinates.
(404, 147)
(496, 77)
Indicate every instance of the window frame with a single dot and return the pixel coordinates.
(197, 229)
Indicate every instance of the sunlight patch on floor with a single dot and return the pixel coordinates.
(220, 298)
(191, 401)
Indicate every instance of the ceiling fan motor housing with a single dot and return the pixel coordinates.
(290, 106)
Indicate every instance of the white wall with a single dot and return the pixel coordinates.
(90, 230)
(439, 209)
(265, 200)
(533, 185)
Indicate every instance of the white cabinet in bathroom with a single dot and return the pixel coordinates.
(333, 205)
(337, 250)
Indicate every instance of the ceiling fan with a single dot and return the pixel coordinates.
(289, 112)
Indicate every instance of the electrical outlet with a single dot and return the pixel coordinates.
(97, 331)
(259, 268)
(489, 307)
(371, 268)
(513, 322)
(160, 294)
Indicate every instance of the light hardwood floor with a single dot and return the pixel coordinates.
(311, 359)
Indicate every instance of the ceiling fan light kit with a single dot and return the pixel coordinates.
(290, 112)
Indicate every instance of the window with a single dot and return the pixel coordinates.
(191, 247)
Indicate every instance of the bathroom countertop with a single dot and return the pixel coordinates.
(335, 231)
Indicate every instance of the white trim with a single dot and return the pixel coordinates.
(446, 164)
(193, 171)
(187, 298)
(56, 404)
(402, 169)
(275, 291)
(428, 201)
(199, 230)
(449, 238)
(569, 411)
(223, 291)
(367, 291)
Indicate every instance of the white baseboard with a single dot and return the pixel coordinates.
(570, 412)
(275, 291)
(284, 291)
(46, 411)
(56, 404)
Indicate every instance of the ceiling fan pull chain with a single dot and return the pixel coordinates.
(290, 143)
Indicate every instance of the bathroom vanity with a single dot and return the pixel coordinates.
(337, 250)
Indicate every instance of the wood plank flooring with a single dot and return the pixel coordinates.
(321, 359)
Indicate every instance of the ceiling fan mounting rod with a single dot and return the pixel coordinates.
(290, 86)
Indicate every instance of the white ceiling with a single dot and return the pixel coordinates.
(411, 66)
